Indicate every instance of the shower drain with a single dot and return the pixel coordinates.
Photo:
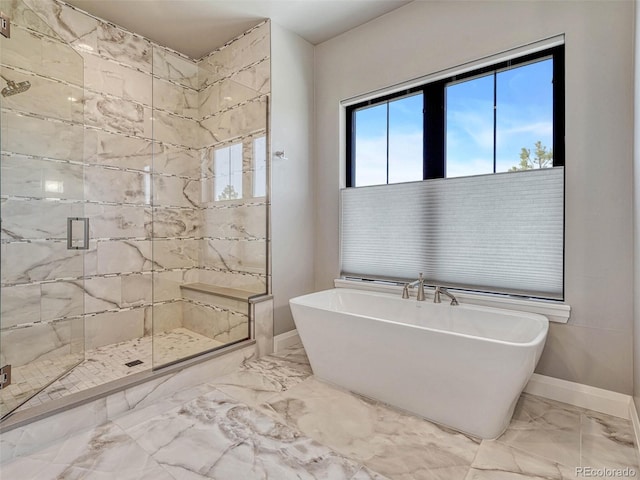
(133, 363)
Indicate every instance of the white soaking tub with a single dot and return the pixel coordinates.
(461, 366)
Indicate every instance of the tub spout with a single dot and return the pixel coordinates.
(420, 283)
(439, 290)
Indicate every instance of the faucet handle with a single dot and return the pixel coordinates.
(405, 291)
(436, 295)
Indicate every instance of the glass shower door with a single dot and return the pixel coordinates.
(44, 233)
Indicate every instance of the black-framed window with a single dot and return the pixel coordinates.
(505, 117)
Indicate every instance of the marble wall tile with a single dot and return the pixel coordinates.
(43, 56)
(171, 253)
(124, 256)
(170, 66)
(241, 221)
(166, 285)
(175, 160)
(46, 97)
(116, 221)
(113, 327)
(109, 148)
(166, 317)
(262, 317)
(37, 261)
(20, 304)
(61, 300)
(33, 177)
(176, 192)
(118, 44)
(117, 115)
(250, 283)
(137, 290)
(55, 140)
(103, 76)
(245, 50)
(30, 219)
(257, 77)
(220, 325)
(242, 255)
(239, 306)
(21, 346)
(177, 130)
(21, 14)
(69, 24)
(224, 95)
(90, 259)
(169, 222)
(102, 293)
(175, 98)
(105, 185)
(243, 120)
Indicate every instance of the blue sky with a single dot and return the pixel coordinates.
(524, 116)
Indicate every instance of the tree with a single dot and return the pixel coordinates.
(542, 159)
(229, 193)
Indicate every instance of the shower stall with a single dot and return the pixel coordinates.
(134, 200)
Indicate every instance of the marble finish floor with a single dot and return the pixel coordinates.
(272, 419)
(101, 365)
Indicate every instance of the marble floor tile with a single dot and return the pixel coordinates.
(138, 415)
(497, 461)
(545, 428)
(607, 442)
(103, 453)
(295, 355)
(273, 419)
(384, 439)
(215, 436)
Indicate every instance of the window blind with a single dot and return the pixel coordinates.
(499, 233)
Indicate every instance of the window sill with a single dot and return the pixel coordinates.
(554, 311)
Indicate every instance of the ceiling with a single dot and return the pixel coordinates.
(196, 27)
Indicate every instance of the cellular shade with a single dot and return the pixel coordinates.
(499, 233)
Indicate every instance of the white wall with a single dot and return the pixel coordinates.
(292, 185)
(595, 348)
(636, 213)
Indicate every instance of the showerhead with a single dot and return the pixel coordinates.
(14, 88)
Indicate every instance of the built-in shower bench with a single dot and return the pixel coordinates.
(229, 298)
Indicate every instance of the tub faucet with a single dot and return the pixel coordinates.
(420, 283)
(439, 290)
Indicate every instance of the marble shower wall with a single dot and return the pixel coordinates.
(42, 184)
(140, 137)
(235, 83)
(176, 223)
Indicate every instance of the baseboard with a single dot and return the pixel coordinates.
(635, 421)
(285, 340)
(593, 398)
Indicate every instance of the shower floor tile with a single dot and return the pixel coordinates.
(103, 365)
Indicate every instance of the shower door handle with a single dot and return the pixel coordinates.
(85, 233)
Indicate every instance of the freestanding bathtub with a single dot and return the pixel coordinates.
(460, 366)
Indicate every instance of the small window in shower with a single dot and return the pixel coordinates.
(260, 166)
(227, 172)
